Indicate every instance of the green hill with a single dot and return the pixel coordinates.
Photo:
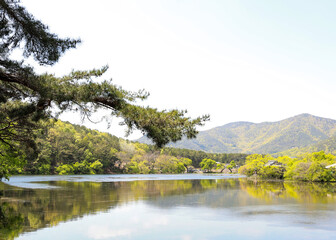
(328, 146)
(268, 137)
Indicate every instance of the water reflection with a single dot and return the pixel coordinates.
(211, 200)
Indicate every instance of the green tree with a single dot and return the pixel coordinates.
(272, 172)
(65, 169)
(208, 164)
(231, 166)
(133, 167)
(186, 162)
(26, 97)
(254, 164)
(311, 167)
(96, 167)
(220, 166)
(10, 163)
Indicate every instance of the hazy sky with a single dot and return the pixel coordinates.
(237, 60)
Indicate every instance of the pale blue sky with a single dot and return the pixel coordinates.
(247, 60)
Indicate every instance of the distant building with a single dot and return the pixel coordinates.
(331, 166)
(273, 163)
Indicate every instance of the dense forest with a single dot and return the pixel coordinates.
(63, 148)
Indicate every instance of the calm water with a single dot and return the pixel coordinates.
(157, 207)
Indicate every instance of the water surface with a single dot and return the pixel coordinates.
(164, 207)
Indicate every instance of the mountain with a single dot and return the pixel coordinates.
(268, 137)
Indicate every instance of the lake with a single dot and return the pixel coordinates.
(184, 207)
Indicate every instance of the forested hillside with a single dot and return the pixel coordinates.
(268, 137)
(327, 146)
(63, 148)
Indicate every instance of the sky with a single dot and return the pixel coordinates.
(241, 60)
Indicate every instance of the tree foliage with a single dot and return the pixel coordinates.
(71, 149)
(254, 164)
(26, 97)
(61, 147)
(257, 165)
(65, 149)
(208, 164)
(312, 167)
(308, 167)
(231, 166)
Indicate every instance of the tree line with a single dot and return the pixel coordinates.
(64, 148)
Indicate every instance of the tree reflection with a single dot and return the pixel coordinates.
(11, 222)
(302, 192)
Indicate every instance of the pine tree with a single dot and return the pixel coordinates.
(27, 97)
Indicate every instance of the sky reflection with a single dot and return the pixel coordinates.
(227, 208)
(141, 221)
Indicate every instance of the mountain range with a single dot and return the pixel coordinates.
(297, 133)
